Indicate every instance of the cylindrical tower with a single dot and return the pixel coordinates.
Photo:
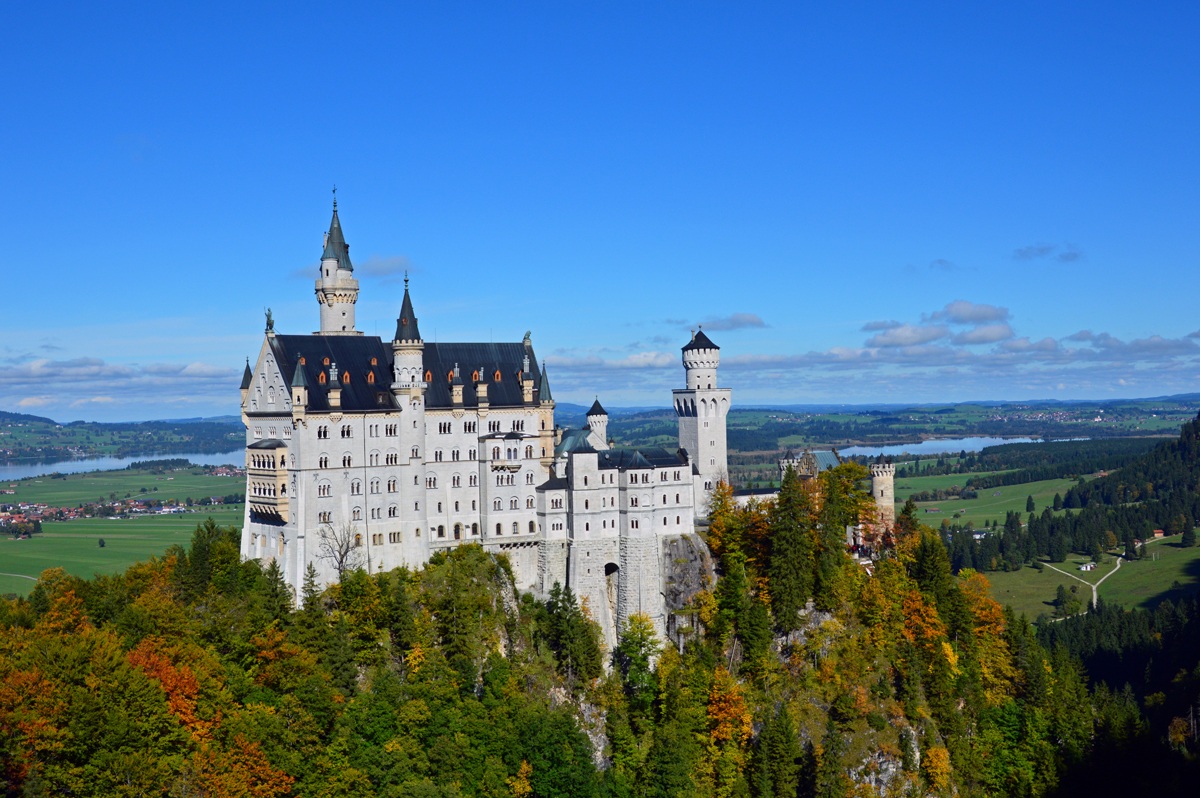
(883, 490)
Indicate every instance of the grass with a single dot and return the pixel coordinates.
(74, 545)
(1146, 582)
(1168, 571)
(992, 505)
(77, 488)
(1031, 592)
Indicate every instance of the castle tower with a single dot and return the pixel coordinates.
(337, 290)
(408, 350)
(597, 421)
(702, 408)
(883, 490)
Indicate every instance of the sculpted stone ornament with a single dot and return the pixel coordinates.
(270, 321)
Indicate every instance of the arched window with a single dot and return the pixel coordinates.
(475, 530)
(516, 528)
(499, 529)
(429, 376)
(496, 375)
(374, 361)
(528, 452)
(357, 538)
(512, 503)
(371, 377)
(325, 361)
(529, 503)
(458, 531)
(532, 527)
(497, 505)
(321, 378)
(441, 531)
(345, 377)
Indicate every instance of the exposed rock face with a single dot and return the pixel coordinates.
(687, 569)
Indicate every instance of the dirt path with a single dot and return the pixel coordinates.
(1094, 587)
(22, 576)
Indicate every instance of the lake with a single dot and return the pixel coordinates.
(954, 445)
(14, 471)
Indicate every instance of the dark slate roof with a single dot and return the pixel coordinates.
(506, 358)
(700, 341)
(554, 483)
(654, 457)
(597, 410)
(352, 354)
(268, 443)
(335, 243)
(825, 459)
(247, 376)
(406, 322)
(574, 440)
(544, 386)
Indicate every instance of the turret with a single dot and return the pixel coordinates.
(299, 391)
(337, 290)
(700, 360)
(883, 476)
(597, 421)
(335, 388)
(408, 350)
(247, 378)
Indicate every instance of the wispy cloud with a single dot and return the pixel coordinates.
(1063, 253)
(961, 311)
(876, 326)
(907, 335)
(734, 321)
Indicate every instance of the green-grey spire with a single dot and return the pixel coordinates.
(299, 379)
(406, 322)
(335, 242)
(544, 388)
(247, 376)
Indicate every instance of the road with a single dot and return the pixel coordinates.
(1094, 587)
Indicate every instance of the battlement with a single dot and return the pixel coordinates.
(883, 470)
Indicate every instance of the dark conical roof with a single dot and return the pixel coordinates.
(298, 379)
(406, 322)
(597, 410)
(247, 376)
(544, 388)
(699, 341)
(335, 243)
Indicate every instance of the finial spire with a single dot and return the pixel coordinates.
(406, 279)
(335, 196)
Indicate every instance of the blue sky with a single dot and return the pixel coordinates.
(860, 202)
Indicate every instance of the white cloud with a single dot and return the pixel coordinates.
(984, 334)
(35, 401)
(734, 321)
(907, 335)
(961, 311)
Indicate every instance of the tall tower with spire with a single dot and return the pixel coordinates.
(701, 408)
(337, 290)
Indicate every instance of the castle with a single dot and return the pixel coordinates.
(368, 453)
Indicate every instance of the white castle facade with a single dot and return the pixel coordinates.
(368, 453)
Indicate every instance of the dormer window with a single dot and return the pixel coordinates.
(374, 361)
(326, 361)
(371, 376)
(321, 378)
(302, 360)
(428, 376)
(474, 376)
(496, 376)
(346, 377)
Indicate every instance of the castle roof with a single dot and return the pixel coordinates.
(597, 410)
(574, 440)
(544, 386)
(699, 341)
(247, 376)
(335, 243)
(406, 322)
(367, 385)
(652, 457)
(507, 359)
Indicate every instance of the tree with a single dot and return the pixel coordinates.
(1029, 506)
(341, 547)
(790, 567)
(1189, 536)
(634, 657)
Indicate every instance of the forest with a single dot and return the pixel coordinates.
(802, 671)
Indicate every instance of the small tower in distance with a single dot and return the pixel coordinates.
(337, 290)
(597, 421)
(701, 408)
(883, 490)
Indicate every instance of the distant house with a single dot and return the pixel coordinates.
(1158, 533)
(1088, 566)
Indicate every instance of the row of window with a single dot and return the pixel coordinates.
(272, 432)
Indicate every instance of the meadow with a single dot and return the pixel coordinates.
(992, 505)
(75, 545)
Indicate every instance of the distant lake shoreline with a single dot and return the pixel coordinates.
(14, 471)
(935, 446)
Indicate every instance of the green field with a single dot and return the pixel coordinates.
(1146, 582)
(74, 489)
(74, 545)
(992, 504)
(1141, 583)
